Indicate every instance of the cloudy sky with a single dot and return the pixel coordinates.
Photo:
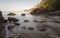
(15, 5)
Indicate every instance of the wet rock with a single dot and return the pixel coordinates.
(26, 20)
(17, 24)
(2, 27)
(31, 28)
(41, 28)
(1, 19)
(36, 21)
(10, 37)
(23, 14)
(0, 13)
(13, 19)
(24, 27)
(11, 14)
(20, 36)
(10, 27)
(5, 21)
(2, 31)
(56, 21)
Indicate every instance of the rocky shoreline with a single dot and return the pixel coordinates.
(30, 26)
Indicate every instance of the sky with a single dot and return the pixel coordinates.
(16, 5)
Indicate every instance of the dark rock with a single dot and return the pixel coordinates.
(20, 36)
(56, 21)
(12, 14)
(5, 21)
(1, 19)
(24, 27)
(26, 20)
(41, 28)
(10, 27)
(36, 21)
(13, 19)
(10, 37)
(2, 27)
(0, 13)
(23, 14)
(17, 23)
(31, 28)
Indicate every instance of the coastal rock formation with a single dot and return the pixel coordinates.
(46, 6)
(2, 27)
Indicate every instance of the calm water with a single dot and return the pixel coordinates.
(15, 32)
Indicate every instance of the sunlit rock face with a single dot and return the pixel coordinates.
(46, 6)
(2, 27)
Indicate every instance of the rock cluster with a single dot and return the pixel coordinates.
(2, 27)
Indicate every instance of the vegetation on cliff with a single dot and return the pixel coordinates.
(46, 6)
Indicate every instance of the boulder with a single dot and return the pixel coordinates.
(26, 20)
(11, 14)
(0, 13)
(10, 27)
(31, 28)
(24, 27)
(2, 27)
(23, 14)
(12, 19)
(5, 21)
(41, 28)
(17, 24)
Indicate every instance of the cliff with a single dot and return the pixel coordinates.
(46, 6)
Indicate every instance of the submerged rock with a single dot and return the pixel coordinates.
(10, 27)
(13, 19)
(12, 14)
(41, 28)
(10, 37)
(24, 27)
(26, 20)
(5, 21)
(23, 14)
(31, 28)
(36, 21)
(17, 24)
(56, 21)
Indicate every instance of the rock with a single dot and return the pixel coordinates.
(10, 37)
(2, 31)
(12, 14)
(31, 28)
(41, 28)
(24, 27)
(56, 21)
(0, 13)
(2, 27)
(23, 14)
(5, 21)
(10, 27)
(36, 21)
(1, 19)
(26, 20)
(17, 24)
(13, 19)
